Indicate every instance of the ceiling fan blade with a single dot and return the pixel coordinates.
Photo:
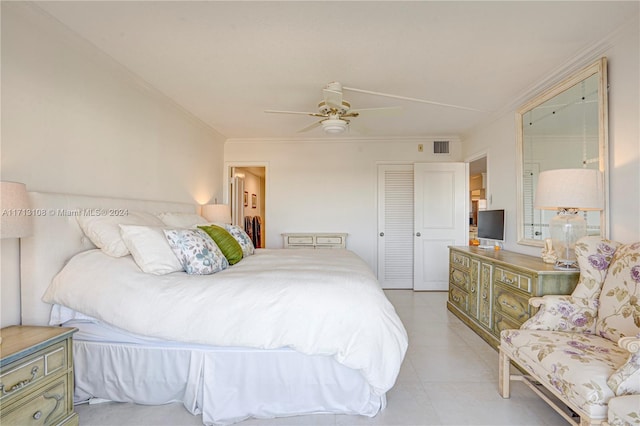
(273, 111)
(374, 111)
(311, 127)
(332, 98)
(406, 98)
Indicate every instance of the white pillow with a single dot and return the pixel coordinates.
(150, 249)
(104, 231)
(182, 220)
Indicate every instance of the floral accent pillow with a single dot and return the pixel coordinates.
(594, 255)
(242, 238)
(565, 313)
(198, 254)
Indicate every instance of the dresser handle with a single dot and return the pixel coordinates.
(504, 303)
(508, 280)
(37, 415)
(21, 384)
(58, 399)
(456, 299)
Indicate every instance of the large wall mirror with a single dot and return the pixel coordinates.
(563, 128)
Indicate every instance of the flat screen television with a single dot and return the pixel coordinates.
(491, 226)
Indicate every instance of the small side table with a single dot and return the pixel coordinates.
(36, 376)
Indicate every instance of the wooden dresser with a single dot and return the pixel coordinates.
(489, 290)
(36, 376)
(326, 240)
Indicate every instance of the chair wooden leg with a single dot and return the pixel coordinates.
(504, 374)
(585, 421)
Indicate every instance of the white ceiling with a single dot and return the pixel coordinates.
(226, 62)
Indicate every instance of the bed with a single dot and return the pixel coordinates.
(280, 333)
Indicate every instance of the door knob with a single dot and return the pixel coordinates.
(382, 234)
(417, 234)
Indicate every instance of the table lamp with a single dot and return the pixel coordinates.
(220, 213)
(568, 191)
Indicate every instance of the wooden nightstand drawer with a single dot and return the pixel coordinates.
(328, 241)
(28, 372)
(300, 240)
(45, 406)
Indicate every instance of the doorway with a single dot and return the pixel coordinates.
(247, 189)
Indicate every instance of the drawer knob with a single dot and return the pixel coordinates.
(20, 384)
(37, 415)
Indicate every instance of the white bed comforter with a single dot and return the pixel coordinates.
(324, 302)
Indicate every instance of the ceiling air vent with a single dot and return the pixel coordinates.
(440, 147)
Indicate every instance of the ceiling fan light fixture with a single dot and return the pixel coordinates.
(334, 126)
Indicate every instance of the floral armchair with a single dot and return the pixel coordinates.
(583, 348)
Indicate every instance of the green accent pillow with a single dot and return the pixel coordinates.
(225, 241)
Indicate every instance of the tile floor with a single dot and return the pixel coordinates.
(449, 377)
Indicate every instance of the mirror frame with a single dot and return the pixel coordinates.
(598, 67)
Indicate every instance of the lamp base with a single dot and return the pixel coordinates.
(566, 265)
(566, 228)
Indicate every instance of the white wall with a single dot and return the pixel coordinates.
(499, 139)
(328, 185)
(74, 121)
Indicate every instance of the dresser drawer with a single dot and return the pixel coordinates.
(460, 278)
(45, 406)
(510, 303)
(460, 260)
(501, 322)
(21, 376)
(459, 298)
(513, 279)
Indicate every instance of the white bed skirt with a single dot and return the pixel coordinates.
(225, 385)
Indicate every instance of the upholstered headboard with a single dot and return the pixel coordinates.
(57, 237)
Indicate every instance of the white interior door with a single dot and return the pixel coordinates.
(441, 219)
(395, 225)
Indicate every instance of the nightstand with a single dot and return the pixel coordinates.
(326, 240)
(36, 376)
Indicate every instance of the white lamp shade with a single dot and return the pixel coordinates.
(14, 205)
(220, 213)
(580, 189)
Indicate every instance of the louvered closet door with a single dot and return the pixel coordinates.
(395, 225)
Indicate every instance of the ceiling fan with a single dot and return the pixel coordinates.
(335, 111)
